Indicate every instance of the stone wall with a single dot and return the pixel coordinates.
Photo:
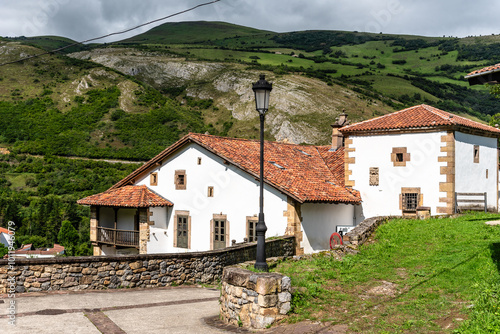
(145, 270)
(358, 235)
(254, 300)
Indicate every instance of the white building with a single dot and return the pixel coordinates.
(202, 192)
(5, 237)
(419, 157)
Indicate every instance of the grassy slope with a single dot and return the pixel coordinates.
(416, 277)
(191, 32)
(363, 52)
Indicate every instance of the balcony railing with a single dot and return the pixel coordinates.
(117, 237)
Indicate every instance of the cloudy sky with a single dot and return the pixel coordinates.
(85, 19)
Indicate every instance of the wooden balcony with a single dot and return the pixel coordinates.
(115, 237)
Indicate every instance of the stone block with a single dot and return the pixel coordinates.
(284, 297)
(267, 300)
(135, 265)
(285, 308)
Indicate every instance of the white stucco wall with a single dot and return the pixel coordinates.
(5, 239)
(423, 170)
(236, 194)
(320, 221)
(471, 177)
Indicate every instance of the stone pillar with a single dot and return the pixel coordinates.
(143, 230)
(254, 300)
(94, 223)
(294, 224)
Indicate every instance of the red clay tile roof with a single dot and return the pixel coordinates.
(493, 68)
(417, 117)
(28, 250)
(128, 196)
(306, 173)
(4, 230)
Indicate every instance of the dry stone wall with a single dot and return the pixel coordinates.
(358, 235)
(145, 271)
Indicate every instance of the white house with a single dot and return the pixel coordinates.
(5, 237)
(420, 157)
(202, 192)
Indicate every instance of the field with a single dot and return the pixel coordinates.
(435, 276)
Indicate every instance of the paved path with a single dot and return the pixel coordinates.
(172, 310)
(168, 310)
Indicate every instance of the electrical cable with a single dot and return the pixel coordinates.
(111, 34)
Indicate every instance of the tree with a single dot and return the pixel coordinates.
(3, 250)
(68, 237)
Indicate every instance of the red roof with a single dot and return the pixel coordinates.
(306, 173)
(418, 117)
(28, 250)
(485, 70)
(128, 196)
(4, 230)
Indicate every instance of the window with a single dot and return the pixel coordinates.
(374, 176)
(486, 173)
(399, 156)
(220, 232)
(410, 200)
(199, 161)
(251, 227)
(476, 154)
(182, 229)
(180, 180)
(153, 179)
(210, 192)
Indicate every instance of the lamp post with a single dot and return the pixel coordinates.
(262, 90)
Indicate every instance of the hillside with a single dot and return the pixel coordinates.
(197, 76)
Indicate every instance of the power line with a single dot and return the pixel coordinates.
(112, 34)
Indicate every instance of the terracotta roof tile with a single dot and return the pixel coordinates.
(484, 70)
(127, 196)
(308, 173)
(4, 230)
(421, 116)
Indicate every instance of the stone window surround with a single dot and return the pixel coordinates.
(180, 179)
(410, 190)
(402, 153)
(254, 219)
(476, 154)
(153, 179)
(182, 213)
(212, 229)
(210, 191)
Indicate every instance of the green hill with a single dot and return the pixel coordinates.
(191, 32)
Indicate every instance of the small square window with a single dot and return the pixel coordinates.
(210, 192)
(153, 179)
(400, 156)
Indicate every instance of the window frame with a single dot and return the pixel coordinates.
(219, 217)
(475, 153)
(153, 179)
(180, 175)
(251, 220)
(397, 153)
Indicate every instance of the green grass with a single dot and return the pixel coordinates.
(432, 271)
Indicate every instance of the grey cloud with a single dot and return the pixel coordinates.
(84, 19)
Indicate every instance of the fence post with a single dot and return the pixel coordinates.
(485, 202)
(456, 203)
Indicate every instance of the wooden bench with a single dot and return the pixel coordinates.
(464, 204)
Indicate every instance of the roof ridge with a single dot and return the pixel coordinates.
(434, 111)
(377, 118)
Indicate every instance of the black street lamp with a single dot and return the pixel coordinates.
(262, 90)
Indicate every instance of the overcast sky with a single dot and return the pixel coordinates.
(84, 19)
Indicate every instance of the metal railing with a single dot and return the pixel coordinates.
(117, 237)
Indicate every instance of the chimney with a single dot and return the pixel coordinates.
(337, 137)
